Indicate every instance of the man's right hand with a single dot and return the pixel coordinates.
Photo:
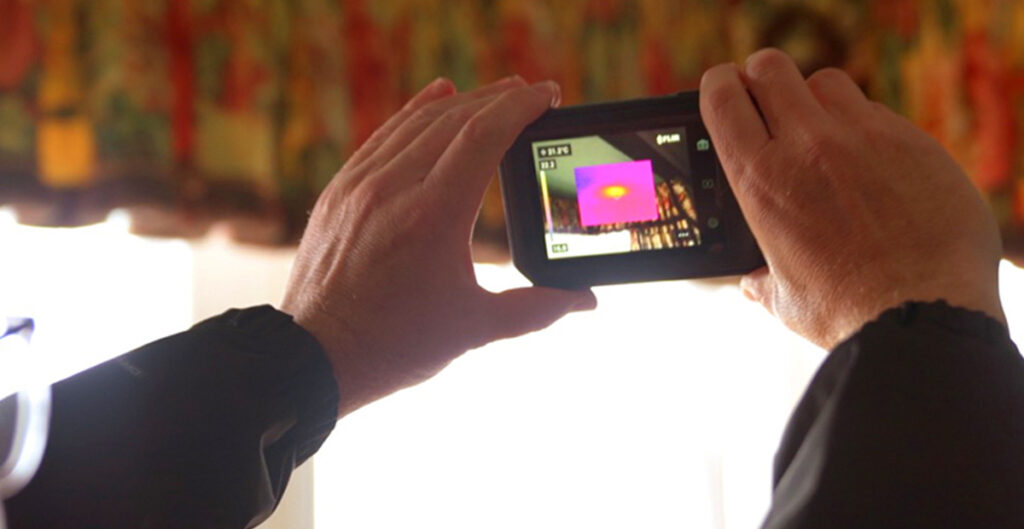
(855, 208)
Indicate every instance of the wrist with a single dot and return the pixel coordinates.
(942, 314)
(312, 326)
(338, 345)
(982, 303)
(969, 284)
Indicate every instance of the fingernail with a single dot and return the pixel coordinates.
(551, 89)
(714, 73)
(437, 83)
(587, 303)
(507, 81)
(748, 292)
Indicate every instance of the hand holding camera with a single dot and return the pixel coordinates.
(384, 277)
(855, 208)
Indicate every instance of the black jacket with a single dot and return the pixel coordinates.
(916, 421)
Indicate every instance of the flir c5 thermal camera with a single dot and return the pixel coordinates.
(622, 192)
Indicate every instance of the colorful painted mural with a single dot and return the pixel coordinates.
(191, 112)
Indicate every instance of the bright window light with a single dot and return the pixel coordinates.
(95, 292)
(662, 408)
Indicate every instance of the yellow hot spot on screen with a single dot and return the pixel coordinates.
(615, 191)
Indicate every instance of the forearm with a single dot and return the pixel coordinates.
(200, 429)
(915, 421)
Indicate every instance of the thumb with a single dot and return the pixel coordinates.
(759, 286)
(522, 310)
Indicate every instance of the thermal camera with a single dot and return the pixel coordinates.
(622, 192)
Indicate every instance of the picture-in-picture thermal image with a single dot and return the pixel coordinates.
(616, 193)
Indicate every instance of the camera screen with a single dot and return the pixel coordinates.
(617, 193)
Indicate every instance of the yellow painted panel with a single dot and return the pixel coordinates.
(66, 152)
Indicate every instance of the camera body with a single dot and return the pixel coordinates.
(622, 192)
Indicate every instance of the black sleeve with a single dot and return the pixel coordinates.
(200, 429)
(916, 421)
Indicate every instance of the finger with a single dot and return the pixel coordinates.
(416, 161)
(437, 89)
(893, 120)
(759, 286)
(838, 94)
(427, 148)
(471, 160)
(780, 92)
(523, 310)
(419, 119)
(731, 118)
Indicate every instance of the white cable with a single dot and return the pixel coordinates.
(29, 440)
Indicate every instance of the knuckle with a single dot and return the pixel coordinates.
(457, 117)
(371, 143)
(419, 114)
(719, 98)
(767, 62)
(324, 202)
(418, 219)
(888, 115)
(367, 196)
(755, 178)
(824, 154)
(426, 114)
(830, 75)
(819, 147)
(445, 122)
(500, 117)
(340, 184)
(477, 131)
(525, 100)
(518, 81)
(827, 79)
